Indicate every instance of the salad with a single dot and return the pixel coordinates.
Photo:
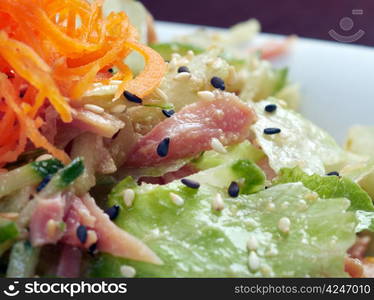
(124, 157)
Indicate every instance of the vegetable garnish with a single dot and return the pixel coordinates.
(56, 50)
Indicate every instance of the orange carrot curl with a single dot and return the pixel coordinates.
(55, 50)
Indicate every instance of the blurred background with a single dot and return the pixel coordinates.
(312, 19)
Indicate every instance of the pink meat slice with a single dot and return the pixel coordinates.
(191, 130)
(354, 267)
(265, 166)
(77, 214)
(114, 240)
(45, 220)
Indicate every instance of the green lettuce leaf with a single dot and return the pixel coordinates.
(361, 142)
(335, 187)
(300, 143)
(194, 240)
(250, 176)
(244, 150)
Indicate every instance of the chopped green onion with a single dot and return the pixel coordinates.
(64, 178)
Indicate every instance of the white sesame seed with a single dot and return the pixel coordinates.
(51, 228)
(128, 197)
(172, 64)
(178, 200)
(217, 146)
(210, 61)
(271, 206)
(161, 94)
(253, 261)
(44, 157)
(231, 76)
(190, 54)
(252, 243)
(333, 240)
(283, 103)
(128, 271)
(217, 203)
(94, 108)
(118, 109)
(266, 270)
(303, 205)
(206, 95)
(311, 196)
(183, 61)
(284, 224)
(182, 76)
(217, 64)
(176, 56)
(91, 238)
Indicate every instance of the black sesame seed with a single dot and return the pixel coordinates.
(92, 250)
(190, 183)
(168, 112)
(270, 108)
(131, 97)
(218, 83)
(333, 174)
(183, 69)
(233, 189)
(163, 147)
(112, 212)
(82, 233)
(44, 183)
(270, 131)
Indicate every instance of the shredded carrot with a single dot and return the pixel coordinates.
(51, 53)
(144, 84)
(273, 49)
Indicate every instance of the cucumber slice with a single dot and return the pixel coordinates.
(8, 230)
(23, 260)
(30, 174)
(63, 178)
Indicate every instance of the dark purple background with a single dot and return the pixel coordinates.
(308, 18)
